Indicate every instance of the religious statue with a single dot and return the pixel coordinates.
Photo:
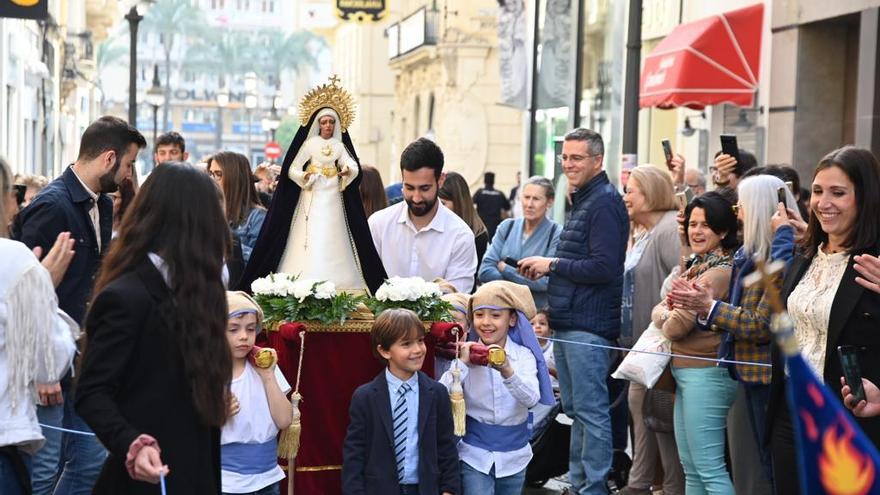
(316, 226)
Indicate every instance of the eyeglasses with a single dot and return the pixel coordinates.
(216, 174)
(575, 158)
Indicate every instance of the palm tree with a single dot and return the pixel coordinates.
(173, 21)
(109, 52)
(277, 51)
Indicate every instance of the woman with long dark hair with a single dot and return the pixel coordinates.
(245, 215)
(456, 195)
(828, 306)
(372, 190)
(155, 375)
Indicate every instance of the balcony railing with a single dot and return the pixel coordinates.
(416, 30)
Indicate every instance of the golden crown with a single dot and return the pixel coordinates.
(328, 96)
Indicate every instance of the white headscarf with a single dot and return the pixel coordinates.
(315, 129)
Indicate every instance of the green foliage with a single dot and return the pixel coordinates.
(285, 132)
(278, 309)
(428, 308)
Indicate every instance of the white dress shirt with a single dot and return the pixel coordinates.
(94, 214)
(444, 248)
(494, 400)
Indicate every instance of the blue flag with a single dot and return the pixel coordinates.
(835, 457)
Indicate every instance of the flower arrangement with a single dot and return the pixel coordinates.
(285, 297)
(411, 293)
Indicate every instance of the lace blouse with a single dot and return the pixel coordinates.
(810, 305)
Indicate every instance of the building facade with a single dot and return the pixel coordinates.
(209, 123)
(445, 58)
(47, 89)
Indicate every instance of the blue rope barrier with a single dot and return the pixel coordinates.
(65, 430)
(624, 349)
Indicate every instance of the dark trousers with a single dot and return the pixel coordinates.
(758, 396)
(409, 489)
(785, 466)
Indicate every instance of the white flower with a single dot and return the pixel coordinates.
(276, 284)
(302, 288)
(262, 286)
(407, 289)
(325, 290)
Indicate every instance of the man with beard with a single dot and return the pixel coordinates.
(419, 236)
(76, 202)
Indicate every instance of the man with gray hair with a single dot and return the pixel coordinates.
(586, 284)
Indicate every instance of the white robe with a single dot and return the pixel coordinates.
(319, 245)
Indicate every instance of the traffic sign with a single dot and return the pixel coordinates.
(273, 150)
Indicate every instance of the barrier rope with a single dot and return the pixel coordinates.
(656, 353)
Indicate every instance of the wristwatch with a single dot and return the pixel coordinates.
(553, 263)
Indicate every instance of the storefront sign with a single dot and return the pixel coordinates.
(360, 10)
(24, 9)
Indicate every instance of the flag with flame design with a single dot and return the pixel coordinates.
(836, 458)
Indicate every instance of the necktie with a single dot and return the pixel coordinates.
(399, 415)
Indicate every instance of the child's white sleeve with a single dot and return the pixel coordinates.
(523, 384)
(282, 382)
(446, 377)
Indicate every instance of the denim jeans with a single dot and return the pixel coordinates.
(703, 397)
(10, 482)
(473, 481)
(73, 460)
(583, 371)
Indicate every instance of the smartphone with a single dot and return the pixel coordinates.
(780, 196)
(790, 185)
(681, 200)
(852, 371)
(20, 190)
(731, 148)
(511, 262)
(667, 152)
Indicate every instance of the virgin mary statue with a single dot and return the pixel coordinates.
(316, 226)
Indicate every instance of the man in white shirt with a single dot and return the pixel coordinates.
(419, 236)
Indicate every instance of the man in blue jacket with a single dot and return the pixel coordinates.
(586, 283)
(76, 202)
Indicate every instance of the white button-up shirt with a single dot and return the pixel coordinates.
(494, 400)
(94, 214)
(444, 248)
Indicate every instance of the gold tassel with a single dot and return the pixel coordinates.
(288, 444)
(456, 396)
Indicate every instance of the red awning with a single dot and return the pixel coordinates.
(709, 61)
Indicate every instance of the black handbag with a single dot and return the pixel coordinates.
(658, 410)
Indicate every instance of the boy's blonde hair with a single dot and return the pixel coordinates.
(393, 325)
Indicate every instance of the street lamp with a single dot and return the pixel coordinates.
(222, 101)
(133, 19)
(250, 103)
(155, 97)
(273, 121)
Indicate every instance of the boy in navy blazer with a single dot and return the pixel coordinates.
(400, 439)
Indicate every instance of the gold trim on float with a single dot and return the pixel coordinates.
(313, 469)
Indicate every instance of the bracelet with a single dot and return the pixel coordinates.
(135, 448)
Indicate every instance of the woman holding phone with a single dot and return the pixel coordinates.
(827, 304)
(531, 235)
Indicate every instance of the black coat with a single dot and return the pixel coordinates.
(272, 241)
(133, 382)
(854, 320)
(63, 206)
(369, 465)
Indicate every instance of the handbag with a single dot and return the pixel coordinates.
(644, 368)
(658, 410)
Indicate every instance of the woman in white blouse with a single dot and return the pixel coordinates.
(36, 340)
(828, 306)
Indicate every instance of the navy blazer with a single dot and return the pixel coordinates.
(369, 465)
(854, 320)
(63, 206)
